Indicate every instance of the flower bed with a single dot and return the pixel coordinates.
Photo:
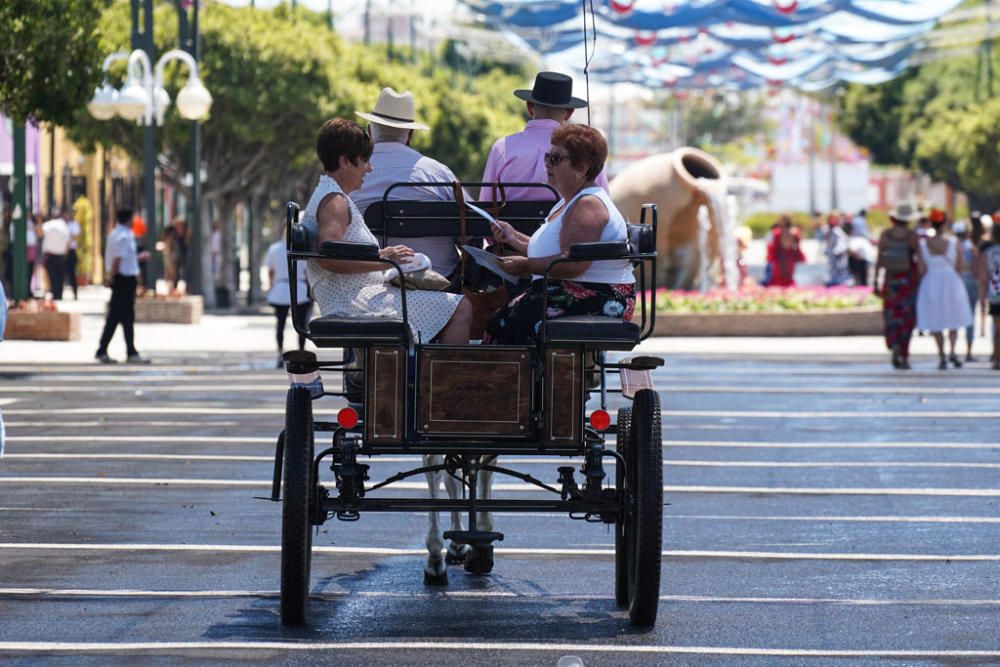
(169, 309)
(796, 311)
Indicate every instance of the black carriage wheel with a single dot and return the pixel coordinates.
(645, 533)
(296, 528)
(621, 542)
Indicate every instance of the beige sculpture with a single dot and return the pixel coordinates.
(670, 180)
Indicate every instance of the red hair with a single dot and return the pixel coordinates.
(585, 147)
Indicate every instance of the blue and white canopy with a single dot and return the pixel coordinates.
(690, 44)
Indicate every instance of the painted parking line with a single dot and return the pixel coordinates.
(485, 595)
(416, 486)
(513, 552)
(80, 456)
(455, 646)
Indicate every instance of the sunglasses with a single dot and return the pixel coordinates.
(552, 159)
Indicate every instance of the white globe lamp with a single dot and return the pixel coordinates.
(104, 104)
(132, 100)
(194, 100)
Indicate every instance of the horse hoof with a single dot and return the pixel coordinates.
(457, 553)
(431, 579)
(479, 560)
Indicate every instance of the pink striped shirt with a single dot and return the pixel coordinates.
(518, 159)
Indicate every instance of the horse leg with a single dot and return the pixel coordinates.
(485, 519)
(480, 559)
(436, 570)
(456, 552)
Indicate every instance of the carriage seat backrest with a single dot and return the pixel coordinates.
(420, 218)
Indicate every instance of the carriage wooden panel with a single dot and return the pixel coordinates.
(474, 390)
(385, 401)
(563, 396)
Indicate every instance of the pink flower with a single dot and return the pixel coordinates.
(576, 291)
(629, 309)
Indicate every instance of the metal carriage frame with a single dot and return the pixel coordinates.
(380, 360)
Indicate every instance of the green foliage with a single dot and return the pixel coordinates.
(761, 223)
(938, 119)
(720, 118)
(49, 59)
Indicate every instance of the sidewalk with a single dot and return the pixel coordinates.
(251, 337)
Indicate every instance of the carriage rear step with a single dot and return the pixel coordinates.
(476, 538)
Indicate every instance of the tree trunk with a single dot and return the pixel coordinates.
(259, 245)
(226, 279)
(207, 276)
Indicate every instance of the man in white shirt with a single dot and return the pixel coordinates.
(71, 257)
(122, 264)
(55, 246)
(391, 125)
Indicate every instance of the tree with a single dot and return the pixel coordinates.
(49, 64)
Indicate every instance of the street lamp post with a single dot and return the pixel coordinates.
(144, 100)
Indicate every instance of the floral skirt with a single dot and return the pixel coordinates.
(899, 309)
(519, 322)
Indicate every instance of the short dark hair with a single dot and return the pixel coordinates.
(342, 138)
(124, 216)
(584, 145)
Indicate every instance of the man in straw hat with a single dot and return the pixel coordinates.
(518, 158)
(391, 124)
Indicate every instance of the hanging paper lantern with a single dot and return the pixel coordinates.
(622, 7)
(777, 61)
(786, 6)
(645, 39)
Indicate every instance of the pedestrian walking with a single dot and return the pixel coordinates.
(942, 302)
(988, 272)
(860, 254)
(55, 247)
(176, 240)
(784, 253)
(836, 252)
(122, 260)
(279, 296)
(970, 253)
(896, 260)
(72, 260)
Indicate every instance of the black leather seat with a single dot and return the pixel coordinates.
(338, 331)
(608, 333)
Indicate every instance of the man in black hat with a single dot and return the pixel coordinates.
(518, 158)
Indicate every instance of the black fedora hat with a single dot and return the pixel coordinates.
(552, 89)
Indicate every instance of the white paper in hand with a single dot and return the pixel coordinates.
(488, 261)
(479, 211)
(417, 262)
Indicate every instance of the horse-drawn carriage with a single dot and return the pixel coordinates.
(462, 407)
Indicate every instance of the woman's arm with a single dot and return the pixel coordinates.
(333, 217)
(506, 234)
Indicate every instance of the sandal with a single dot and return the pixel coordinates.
(955, 362)
(897, 357)
(943, 364)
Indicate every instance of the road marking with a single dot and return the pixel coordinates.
(76, 456)
(734, 414)
(103, 423)
(131, 647)
(144, 438)
(388, 551)
(887, 518)
(416, 486)
(343, 595)
(832, 445)
(808, 390)
(222, 389)
(8, 401)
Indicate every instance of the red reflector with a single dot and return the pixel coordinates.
(348, 418)
(600, 420)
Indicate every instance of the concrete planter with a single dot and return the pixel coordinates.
(42, 326)
(172, 310)
(846, 322)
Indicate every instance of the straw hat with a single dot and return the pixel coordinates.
(393, 109)
(905, 213)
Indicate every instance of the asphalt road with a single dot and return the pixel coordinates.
(822, 510)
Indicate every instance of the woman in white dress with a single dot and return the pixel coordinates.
(942, 302)
(358, 289)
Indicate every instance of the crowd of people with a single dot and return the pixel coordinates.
(931, 279)
(50, 253)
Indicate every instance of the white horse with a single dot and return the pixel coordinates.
(436, 569)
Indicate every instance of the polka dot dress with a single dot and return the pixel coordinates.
(367, 294)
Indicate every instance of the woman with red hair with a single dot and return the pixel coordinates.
(584, 214)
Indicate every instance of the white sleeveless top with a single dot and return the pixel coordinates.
(545, 241)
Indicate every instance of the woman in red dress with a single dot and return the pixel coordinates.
(783, 253)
